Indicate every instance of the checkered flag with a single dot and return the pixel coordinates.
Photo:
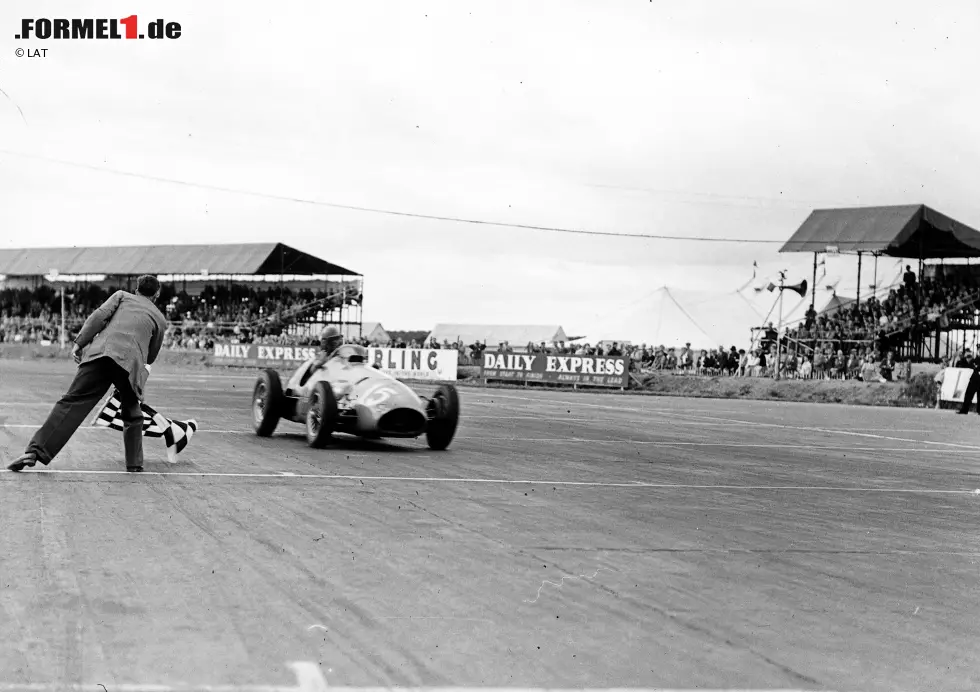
(177, 433)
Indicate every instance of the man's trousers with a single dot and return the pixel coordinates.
(91, 382)
(972, 389)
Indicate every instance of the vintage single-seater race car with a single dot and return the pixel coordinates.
(347, 395)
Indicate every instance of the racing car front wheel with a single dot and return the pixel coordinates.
(267, 402)
(443, 412)
(321, 417)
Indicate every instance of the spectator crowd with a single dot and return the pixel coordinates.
(249, 313)
(926, 303)
(853, 342)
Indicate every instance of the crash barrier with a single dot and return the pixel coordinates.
(954, 385)
(595, 371)
(402, 363)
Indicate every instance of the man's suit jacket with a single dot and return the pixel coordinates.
(129, 329)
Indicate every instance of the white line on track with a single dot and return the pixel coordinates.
(309, 678)
(585, 440)
(506, 481)
(802, 428)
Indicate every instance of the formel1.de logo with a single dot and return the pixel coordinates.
(99, 29)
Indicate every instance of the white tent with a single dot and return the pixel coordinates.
(372, 331)
(673, 316)
(492, 335)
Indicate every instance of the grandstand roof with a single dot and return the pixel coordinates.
(246, 258)
(494, 334)
(912, 231)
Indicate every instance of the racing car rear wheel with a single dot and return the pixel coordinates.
(443, 412)
(267, 403)
(321, 417)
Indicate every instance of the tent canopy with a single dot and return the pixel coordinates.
(836, 304)
(517, 336)
(372, 331)
(913, 231)
(247, 258)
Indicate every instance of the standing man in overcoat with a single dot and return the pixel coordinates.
(122, 337)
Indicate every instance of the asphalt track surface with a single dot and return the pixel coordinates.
(565, 540)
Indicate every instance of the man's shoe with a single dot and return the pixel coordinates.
(135, 469)
(962, 413)
(23, 461)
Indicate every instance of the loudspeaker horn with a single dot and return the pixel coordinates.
(799, 288)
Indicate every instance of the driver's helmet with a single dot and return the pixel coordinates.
(330, 339)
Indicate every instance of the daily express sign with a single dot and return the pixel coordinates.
(403, 363)
(603, 371)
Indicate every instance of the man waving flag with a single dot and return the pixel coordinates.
(113, 349)
(176, 433)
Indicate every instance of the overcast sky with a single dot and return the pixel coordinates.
(689, 119)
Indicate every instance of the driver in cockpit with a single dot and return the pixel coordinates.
(330, 340)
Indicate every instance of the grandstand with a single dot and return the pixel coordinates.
(257, 292)
(927, 315)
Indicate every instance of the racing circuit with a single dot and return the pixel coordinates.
(563, 540)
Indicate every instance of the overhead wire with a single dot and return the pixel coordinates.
(389, 212)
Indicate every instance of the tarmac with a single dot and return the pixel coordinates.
(566, 540)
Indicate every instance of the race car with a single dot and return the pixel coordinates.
(347, 395)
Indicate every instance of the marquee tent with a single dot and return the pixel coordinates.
(372, 331)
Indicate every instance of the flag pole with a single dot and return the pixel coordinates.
(63, 335)
(779, 329)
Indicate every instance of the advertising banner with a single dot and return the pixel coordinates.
(601, 371)
(402, 363)
(416, 363)
(955, 381)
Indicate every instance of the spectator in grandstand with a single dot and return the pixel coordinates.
(887, 367)
(870, 371)
(685, 360)
(743, 363)
(476, 350)
(125, 335)
(811, 317)
(819, 364)
(913, 302)
(790, 363)
(806, 369)
(769, 337)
